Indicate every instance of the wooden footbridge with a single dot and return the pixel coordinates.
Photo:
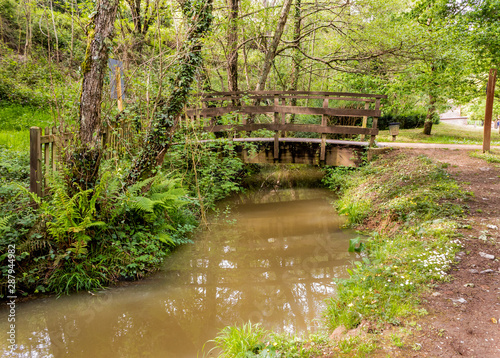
(328, 128)
(283, 126)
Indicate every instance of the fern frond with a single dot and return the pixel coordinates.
(3, 222)
(137, 187)
(163, 184)
(144, 204)
(165, 238)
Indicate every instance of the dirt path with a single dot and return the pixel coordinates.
(463, 313)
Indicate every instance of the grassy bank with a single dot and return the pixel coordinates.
(443, 133)
(409, 209)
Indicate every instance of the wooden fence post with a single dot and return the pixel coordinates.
(490, 92)
(35, 161)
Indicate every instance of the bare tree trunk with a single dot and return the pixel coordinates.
(271, 52)
(142, 18)
(232, 45)
(430, 115)
(27, 14)
(245, 65)
(297, 24)
(55, 31)
(100, 34)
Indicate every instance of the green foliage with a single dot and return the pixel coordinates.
(355, 245)
(252, 341)
(14, 166)
(94, 237)
(408, 120)
(241, 342)
(212, 170)
(336, 178)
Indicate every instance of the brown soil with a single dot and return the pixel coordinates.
(463, 313)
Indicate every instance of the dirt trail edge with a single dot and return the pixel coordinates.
(464, 314)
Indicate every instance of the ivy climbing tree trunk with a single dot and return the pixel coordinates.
(85, 160)
(232, 45)
(156, 143)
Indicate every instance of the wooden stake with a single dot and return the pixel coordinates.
(490, 92)
(35, 161)
(119, 88)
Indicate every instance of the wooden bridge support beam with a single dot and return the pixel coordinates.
(324, 123)
(277, 133)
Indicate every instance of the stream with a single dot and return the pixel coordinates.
(266, 257)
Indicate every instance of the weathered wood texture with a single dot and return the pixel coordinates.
(303, 153)
(334, 104)
(45, 151)
(46, 148)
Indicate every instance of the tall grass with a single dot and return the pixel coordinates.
(15, 121)
(14, 116)
(15, 140)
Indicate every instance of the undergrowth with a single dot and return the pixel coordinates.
(92, 238)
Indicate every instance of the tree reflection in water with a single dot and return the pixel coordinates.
(274, 265)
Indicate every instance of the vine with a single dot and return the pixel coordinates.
(199, 15)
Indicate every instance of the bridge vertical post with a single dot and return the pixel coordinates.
(322, 155)
(365, 120)
(277, 133)
(375, 122)
(283, 116)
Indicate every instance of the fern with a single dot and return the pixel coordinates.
(4, 221)
(139, 186)
(74, 215)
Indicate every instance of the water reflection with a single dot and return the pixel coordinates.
(274, 265)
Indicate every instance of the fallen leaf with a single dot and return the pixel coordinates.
(494, 320)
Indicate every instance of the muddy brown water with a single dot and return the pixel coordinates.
(270, 260)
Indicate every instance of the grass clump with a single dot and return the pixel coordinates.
(491, 157)
(252, 341)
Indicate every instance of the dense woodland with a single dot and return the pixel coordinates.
(108, 220)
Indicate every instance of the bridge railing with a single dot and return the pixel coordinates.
(283, 103)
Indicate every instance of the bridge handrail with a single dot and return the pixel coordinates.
(248, 102)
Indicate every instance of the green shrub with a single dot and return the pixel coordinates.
(408, 120)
